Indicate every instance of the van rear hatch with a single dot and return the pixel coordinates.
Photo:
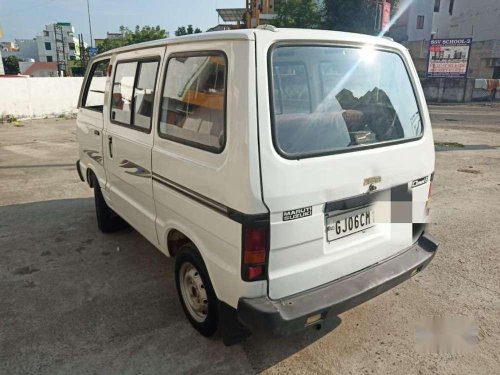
(346, 160)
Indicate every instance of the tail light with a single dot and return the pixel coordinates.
(255, 250)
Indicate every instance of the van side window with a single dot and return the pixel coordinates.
(144, 94)
(93, 97)
(123, 87)
(133, 94)
(194, 100)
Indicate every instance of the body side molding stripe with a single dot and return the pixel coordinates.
(210, 203)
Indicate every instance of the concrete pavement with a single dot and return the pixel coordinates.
(73, 300)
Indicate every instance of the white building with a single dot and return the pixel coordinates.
(423, 20)
(442, 19)
(44, 47)
(478, 19)
(65, 48)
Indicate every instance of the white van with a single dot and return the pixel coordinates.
(288, 171)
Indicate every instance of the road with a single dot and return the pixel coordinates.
(483, 117)
(76, 301)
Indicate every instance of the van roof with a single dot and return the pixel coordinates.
(251, 34)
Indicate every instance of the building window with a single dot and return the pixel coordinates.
(72, 57)
(49, 59)
(437, 4)
(420, 22)
(450, 9)
(193, 103)
(71, 46)
(48, 46)
(45, 33)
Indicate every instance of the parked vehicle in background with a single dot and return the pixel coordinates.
(288, 171)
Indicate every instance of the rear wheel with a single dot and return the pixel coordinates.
(195, 291)
(107, 220)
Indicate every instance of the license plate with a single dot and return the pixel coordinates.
(342, 225)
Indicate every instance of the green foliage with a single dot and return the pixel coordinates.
(108, 44)
(298, 14)
(11, 65)
(182, 30)
(138, 35)
(9, 119)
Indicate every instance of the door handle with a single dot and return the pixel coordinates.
(110, 144)
(97, 132)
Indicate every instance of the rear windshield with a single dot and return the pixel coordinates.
(332, 99)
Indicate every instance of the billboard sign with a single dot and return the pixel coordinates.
(92, 51)
(448, 58)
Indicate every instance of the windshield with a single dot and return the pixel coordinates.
(328, 99)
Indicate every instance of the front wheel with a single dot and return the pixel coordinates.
(195, 291)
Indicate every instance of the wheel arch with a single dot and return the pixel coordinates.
(177, 235)
(175, 239)
(88, 175)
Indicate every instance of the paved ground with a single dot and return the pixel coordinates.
(70, 303)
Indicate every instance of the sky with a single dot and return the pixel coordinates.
(23, 19)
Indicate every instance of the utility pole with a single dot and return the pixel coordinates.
(90, 26)
(62, 64)
(83, 54)
(57, 50)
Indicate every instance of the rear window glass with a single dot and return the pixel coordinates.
(330, 99)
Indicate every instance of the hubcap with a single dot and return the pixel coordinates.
(193, 292)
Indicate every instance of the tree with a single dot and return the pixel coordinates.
(182, 30)
(298, 14)
(145, 34)
(11, 65)
(356, 16)
(139, 35)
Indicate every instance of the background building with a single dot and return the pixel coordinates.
(26, 49)
(58, 43)
(99, 41)
(442, 19)
(9, 46)
(38, 69)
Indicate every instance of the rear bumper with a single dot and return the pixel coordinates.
(284, 316)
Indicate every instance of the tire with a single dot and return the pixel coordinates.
(107, 220)
(194, 288)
